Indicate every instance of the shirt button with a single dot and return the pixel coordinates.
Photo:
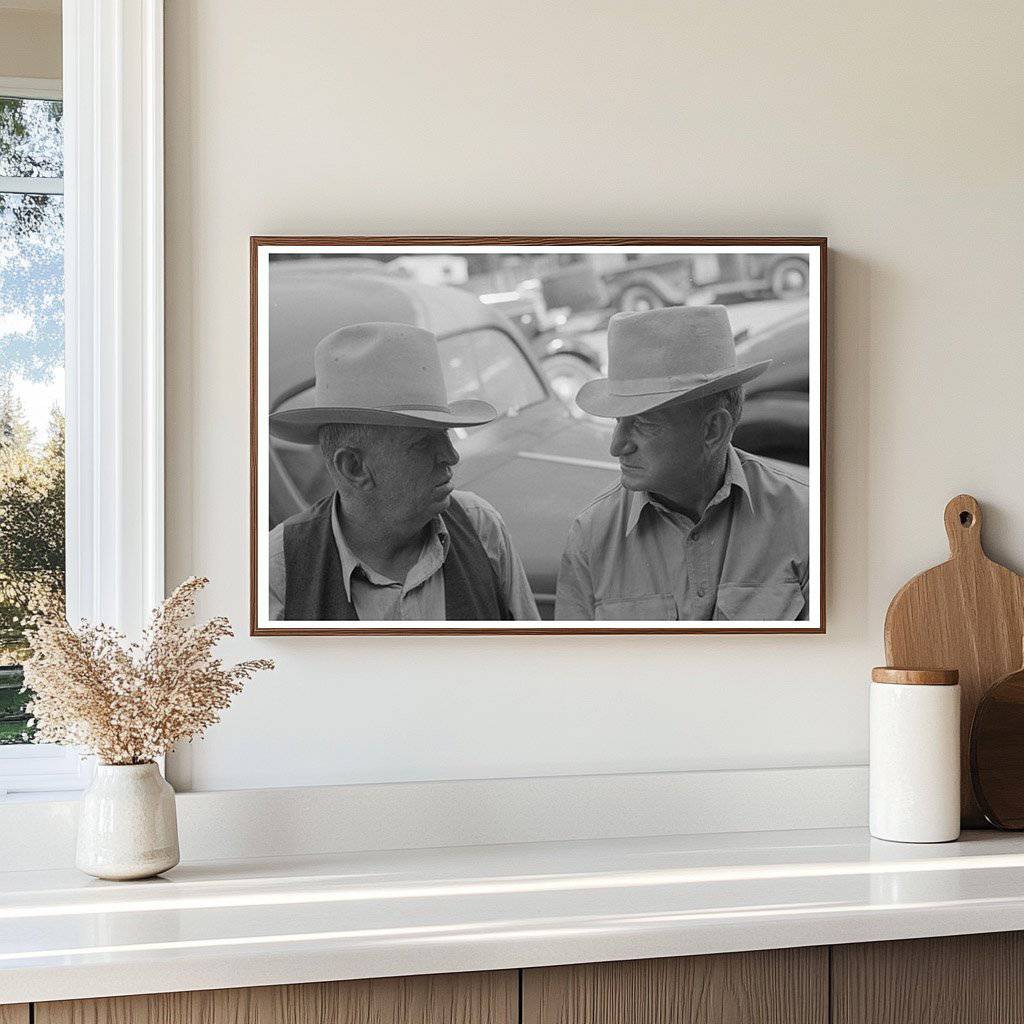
(700, 591)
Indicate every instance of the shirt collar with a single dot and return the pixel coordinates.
(734, 476)
(350, 561)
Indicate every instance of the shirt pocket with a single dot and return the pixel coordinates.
(652, 608)
(776, 601)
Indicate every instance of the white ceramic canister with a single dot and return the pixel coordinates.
(127, 824)
(915, 755)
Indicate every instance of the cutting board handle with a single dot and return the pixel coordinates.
(963, 527)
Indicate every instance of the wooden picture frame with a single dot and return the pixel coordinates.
(298, 256)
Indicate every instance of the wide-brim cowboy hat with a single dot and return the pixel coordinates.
(665, 355)
(379, 373)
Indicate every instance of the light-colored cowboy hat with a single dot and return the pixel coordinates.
(388, 374)
(662, 355)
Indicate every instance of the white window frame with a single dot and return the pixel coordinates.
(114, 329)
(31, 88)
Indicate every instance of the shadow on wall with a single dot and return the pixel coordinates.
(851, 342)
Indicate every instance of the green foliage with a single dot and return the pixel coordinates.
(31, 523)
(31, 137)
(31, 543)
(14, 721)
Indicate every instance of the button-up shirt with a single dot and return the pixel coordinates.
(420, 597)
(628, 556)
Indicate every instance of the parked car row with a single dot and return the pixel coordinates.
(642, 281)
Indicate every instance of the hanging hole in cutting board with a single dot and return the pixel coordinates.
(966, 519)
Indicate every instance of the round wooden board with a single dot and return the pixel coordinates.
(967, 614)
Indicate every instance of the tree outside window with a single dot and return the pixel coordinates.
(31, 385)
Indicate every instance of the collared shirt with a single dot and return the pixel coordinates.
(630, 557)
(375, 597)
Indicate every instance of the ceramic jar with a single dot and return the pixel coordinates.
(127, 825)
(915, 755)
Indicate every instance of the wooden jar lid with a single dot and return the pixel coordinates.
(916, 676)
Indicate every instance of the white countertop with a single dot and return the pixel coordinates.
(223, 924)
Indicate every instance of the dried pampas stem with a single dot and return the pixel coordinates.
(129, 703)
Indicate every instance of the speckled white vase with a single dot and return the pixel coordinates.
(127, 825)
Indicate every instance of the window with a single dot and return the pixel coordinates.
(31, 385)
(112, 166)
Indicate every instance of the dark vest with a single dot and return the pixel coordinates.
(315, 589)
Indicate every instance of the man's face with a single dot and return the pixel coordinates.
(661, 451)
(412, 471)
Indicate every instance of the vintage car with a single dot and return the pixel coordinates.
(644, 282)
(537, 464)
(776, 412)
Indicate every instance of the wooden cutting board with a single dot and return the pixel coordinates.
(967, 614)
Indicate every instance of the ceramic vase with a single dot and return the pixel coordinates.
(127, 825)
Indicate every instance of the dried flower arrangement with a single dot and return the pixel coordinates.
(130, 703)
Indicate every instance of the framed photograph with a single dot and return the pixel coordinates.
(537, 435)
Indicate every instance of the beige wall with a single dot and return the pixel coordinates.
(895, 129)
(30, 40)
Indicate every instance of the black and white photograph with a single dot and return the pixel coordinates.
(537, 435)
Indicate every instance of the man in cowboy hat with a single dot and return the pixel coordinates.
(394, 540)
(695, 529)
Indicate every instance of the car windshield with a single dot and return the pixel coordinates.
(486, 364)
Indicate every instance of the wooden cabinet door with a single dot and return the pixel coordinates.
(777, 986)
(961, 979)
(14, 1013)
(477, 998)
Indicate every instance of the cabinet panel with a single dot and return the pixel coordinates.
(14, 1013)
(477, 998)
(962, 979)
(778, 986)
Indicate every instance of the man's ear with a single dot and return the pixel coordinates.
(350, 465)
(718, 427)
